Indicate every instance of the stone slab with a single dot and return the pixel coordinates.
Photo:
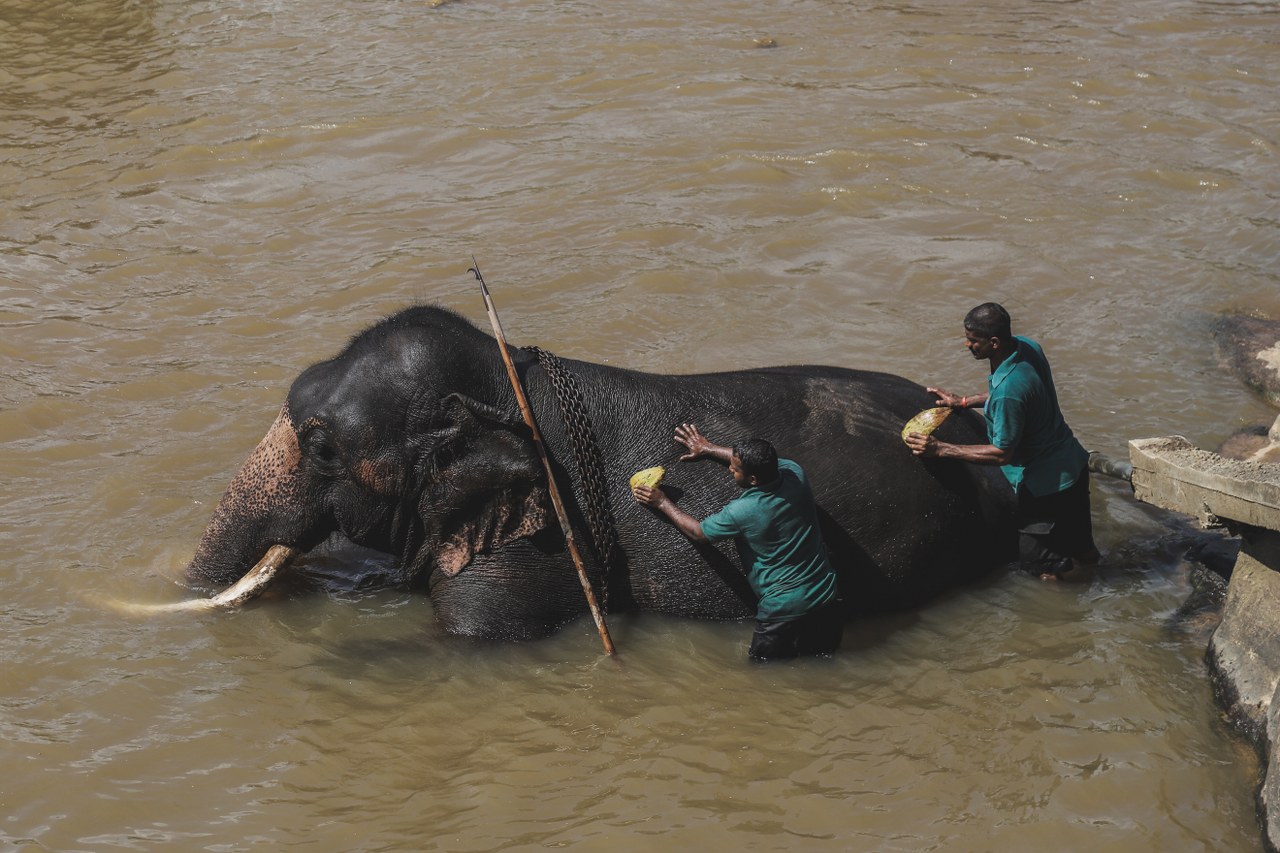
(1173, 473)
(1244, 662)
(1244, 651)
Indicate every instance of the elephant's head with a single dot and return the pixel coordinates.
(406, 443)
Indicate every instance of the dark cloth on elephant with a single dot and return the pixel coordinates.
(817, 632)
(1054, 528)
(775, 526)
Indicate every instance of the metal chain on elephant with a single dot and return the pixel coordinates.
(586, 452)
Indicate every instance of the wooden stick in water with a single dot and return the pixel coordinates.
(529, 420)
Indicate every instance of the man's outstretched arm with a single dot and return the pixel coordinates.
(700, 446)
(928, 447)
(657, 499)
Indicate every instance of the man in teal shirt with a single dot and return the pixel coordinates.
(1029, 440)
(774, 523)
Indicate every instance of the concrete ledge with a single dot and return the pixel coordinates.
(1244, 662)
(1174, 474)
(1244, 651)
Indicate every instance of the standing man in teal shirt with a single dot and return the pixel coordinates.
(774, 523)
(1031, 443)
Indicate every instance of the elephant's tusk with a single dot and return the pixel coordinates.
(249, 587)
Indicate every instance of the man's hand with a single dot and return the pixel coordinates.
(924, 446)
(946, 398)
(700, 446)
(696, 442)
(956, 401)
(928, 447)
(650, 496)
(654, 498)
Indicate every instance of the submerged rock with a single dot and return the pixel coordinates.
(1254, 444)
(1251, 345)
(1210, 561)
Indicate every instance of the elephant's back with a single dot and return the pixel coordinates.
(789, 405)
(900, 529)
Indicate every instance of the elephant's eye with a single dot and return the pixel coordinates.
(319, 447)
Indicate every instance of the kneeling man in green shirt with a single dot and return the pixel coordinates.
(775, 524)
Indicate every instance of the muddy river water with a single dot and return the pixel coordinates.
(202, 198)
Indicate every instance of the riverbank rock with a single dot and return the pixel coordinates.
(1244, 652)
(1244, 663)
(1255, 444)
(1251, 345)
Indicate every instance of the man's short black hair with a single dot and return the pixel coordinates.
(989, 320)
(758, 459)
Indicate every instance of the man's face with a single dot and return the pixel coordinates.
(739, 476)
(980, 347)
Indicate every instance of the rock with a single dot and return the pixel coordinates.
(1210, 559)
(1251, 345)
(1244, 651)
(1270, 453)
(1244, 662)
(1254, 444)
(1216, 554)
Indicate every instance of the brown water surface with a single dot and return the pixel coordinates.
(202, 198)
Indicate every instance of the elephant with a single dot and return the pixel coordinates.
(410, 442)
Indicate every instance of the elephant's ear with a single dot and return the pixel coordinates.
(488, 489)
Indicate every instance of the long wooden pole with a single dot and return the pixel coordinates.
(529, 420)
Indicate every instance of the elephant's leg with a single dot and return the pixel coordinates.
(518, 593)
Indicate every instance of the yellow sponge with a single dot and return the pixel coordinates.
(927, 421)
(650, 477)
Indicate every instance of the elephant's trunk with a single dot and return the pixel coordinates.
(260, 508)
(249, 587)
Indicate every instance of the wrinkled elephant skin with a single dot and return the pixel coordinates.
(409, 442)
